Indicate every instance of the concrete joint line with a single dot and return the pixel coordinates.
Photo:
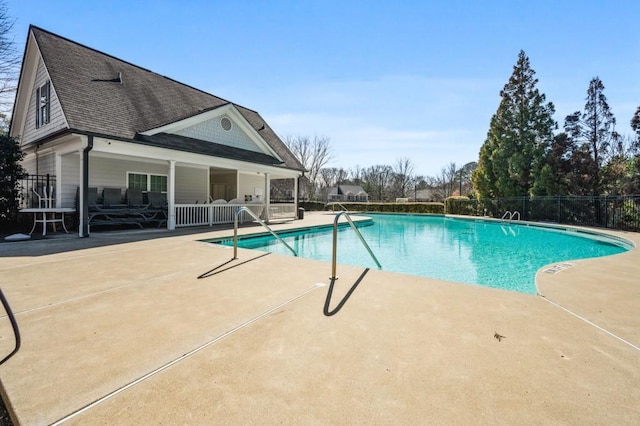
(95, 293)
(183, 357)
(593, 324)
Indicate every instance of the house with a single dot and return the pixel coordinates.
(347, 193)
(92, 120)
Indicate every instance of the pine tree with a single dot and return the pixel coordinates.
(592, 132)
(520, 133)
(10, 172)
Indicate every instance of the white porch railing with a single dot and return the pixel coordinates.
(212, 214)
(282, 211)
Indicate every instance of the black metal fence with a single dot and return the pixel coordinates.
(27, 197)
(619, 212)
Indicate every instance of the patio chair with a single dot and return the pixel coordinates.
(134, 198)
(219, 201)
(157, 200)
(46, 196)
(112, 198)
(92, 198)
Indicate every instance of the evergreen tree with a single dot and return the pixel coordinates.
(592, 133)
(520, 134)
(11, 172)
(554, 176)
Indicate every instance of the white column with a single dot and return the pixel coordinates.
(295, 192)
(171, 192)
(237, 184)
(267, 196)
(58, 180)
(81, 193)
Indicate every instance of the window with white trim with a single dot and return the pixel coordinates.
(43, 104)
(147, 182)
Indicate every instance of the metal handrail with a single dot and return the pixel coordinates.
(334, 203)
(335, 243)
(509, 215)
(14, 325)
(261, 222)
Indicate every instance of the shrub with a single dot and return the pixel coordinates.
(430, 208)
(460, 205)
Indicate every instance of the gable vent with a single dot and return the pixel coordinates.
(225, 123)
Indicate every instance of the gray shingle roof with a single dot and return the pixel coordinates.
(183, 143)
(143, 100)
(355, 189)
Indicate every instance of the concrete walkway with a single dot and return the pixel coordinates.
(120, 329)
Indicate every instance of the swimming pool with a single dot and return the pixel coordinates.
(471, 251)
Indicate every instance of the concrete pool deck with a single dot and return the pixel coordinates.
(119, 329)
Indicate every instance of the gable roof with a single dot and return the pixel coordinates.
(184, 143)
(104, 95)
(354, 189)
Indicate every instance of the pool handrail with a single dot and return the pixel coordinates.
(261, 222)
(14, 326)
(509, 216)
(336, 203)
(335, 243)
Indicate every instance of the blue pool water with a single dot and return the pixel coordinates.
(480, 252)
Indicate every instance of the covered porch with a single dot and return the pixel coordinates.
(196, 189)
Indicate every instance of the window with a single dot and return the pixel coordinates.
(147, 182)
(158, 183)
(43, 104)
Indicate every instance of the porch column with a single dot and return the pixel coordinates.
(267, 196)
(83, 203)
(171, 192)
(295, 195)
(58, 181)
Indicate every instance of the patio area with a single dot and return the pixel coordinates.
(153, 327)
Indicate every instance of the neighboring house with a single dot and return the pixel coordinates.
(347, 193)
(93, 120)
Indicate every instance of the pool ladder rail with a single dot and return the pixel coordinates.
(509, 216)
(261, 222)
(336, 203)
(334, 254)
(14, 326)
(333, 278)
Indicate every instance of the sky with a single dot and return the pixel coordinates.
(382, 80)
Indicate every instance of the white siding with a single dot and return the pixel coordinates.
(40, 164)
(29, 164)
(191, 185)
(70, 179)
(112, 173)
(248, 185)
(57, 121)
(212, 131)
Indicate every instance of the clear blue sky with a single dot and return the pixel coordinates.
(382, 80)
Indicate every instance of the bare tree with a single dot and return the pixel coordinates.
(9, 61)
(377, 179)
(445, 183)
(314, 153)
(356, 174)
(331, 176)
(403, 176)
